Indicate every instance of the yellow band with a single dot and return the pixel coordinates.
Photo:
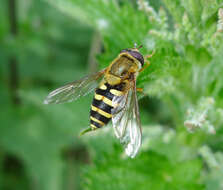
(93, 126)
(101, 112)
(116, 92)
(98, 97)
(103, 87)
(104, 99)
(96, 120)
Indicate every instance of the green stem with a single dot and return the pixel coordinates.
(13, 64)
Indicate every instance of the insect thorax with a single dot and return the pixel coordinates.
(123, 66)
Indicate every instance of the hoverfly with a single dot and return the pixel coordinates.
(114, 99)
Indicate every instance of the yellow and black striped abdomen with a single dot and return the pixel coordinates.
(101, 106)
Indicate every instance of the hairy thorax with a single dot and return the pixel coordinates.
(121, 70)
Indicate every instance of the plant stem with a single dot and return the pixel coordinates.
(13, 64)
(94, 50)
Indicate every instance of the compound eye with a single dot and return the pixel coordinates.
(138, 56)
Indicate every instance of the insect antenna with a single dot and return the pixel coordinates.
(135, 45)
(140, 46)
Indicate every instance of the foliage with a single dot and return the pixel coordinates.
(181, 116)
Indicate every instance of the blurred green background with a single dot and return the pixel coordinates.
(47, 43)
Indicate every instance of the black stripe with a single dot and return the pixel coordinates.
(116, 87)
(102, 105)
(99, 117)
(96, 124)
(105, 93)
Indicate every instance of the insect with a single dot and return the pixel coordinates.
(114, 99)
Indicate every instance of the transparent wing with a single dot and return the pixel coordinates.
(126, 121)
(74, 90)
(120, 113)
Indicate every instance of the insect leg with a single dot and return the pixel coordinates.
(147, 62)
(149, 56)
(139, 89)
(142, 93)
